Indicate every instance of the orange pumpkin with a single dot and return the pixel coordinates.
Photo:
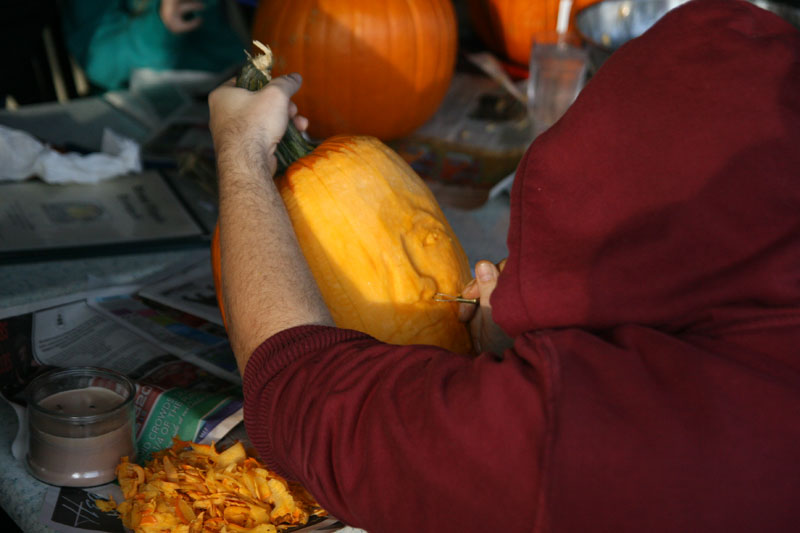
(375, 67)
(507, 26)
(374, 236)
(377, 243)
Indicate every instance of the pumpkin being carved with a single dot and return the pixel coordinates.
(375, 239)
(376, 67)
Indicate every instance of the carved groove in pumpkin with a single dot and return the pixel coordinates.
(377, 243)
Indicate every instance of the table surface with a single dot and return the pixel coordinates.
(482, 232)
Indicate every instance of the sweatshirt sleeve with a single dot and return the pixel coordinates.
(399, 438)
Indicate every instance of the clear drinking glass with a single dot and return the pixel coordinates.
(557, 72)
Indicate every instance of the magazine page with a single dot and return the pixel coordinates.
(75, 509)
(135, 210)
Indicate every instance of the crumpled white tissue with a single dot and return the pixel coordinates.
(23, 156)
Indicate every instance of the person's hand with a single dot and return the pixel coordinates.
(246, 126)
(181, 16)
(486, 335)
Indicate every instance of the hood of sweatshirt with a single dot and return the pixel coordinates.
(670, 187)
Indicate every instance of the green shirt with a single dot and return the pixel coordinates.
(111, 38)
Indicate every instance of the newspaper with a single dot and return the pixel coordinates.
(191, 290)
(174, 397)
(179, 333)
(167, 338)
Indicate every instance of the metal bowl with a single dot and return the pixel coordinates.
(607, 25)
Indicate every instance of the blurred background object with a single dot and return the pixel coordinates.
(607, 25)
(557, 73)
(368, 67)
(111, 39)
(37, 67)
(507, 27)
(60, 50)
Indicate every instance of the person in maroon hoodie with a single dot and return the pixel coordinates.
(652, 293)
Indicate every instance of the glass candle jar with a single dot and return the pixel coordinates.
(80, 422)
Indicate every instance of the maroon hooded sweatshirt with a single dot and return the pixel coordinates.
(653, 292)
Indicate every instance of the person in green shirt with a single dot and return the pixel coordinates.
(109, 39)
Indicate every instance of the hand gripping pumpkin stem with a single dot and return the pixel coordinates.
(255, 74)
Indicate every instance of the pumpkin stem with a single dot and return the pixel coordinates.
(255, 74)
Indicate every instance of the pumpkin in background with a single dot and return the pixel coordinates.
(507, 26)
(374, 236)
(375, 67)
